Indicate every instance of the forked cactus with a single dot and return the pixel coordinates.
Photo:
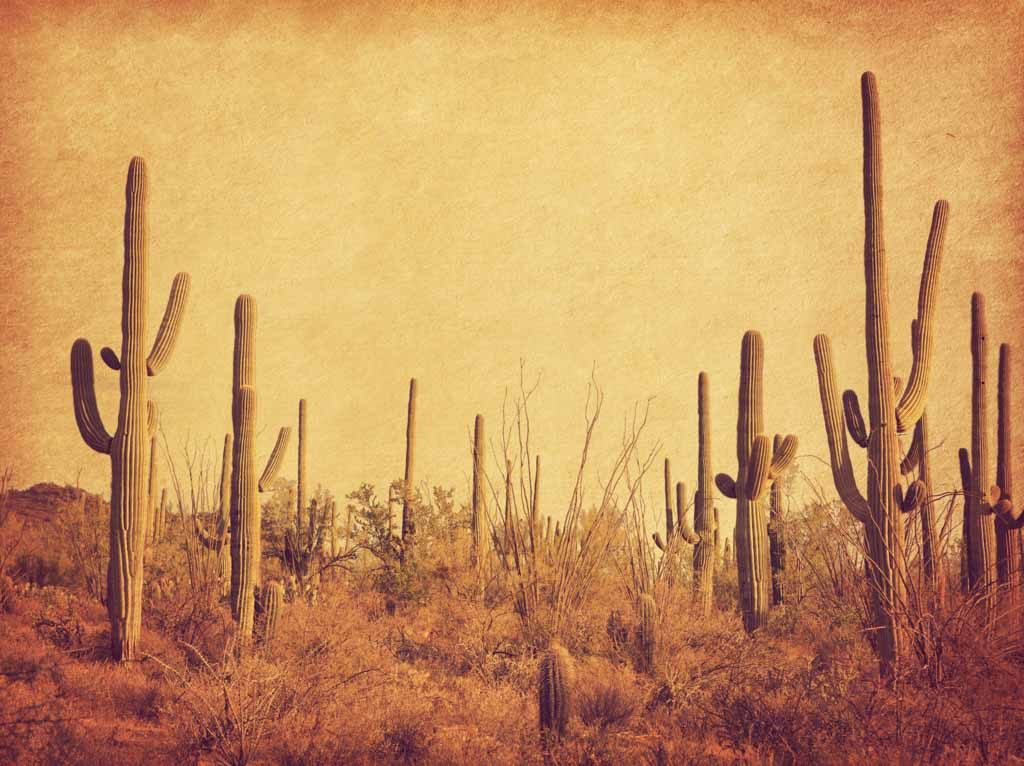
(881, 511)
(647, 631)
(129, 446)
(759, 466)
(705, 515)
(246, 544)
(554, 694)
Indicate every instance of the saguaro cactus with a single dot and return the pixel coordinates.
(554, 693)
(1010, 518)
(669, 520)
(919, 457)
(759, 466)
(408, 522)
(246, 544)
(647, 631)
(271, 604)
(129, 445)
(705, 517)
(301, 503)
(217, 541)
(777, 537)
(479, 510)
(881, 510)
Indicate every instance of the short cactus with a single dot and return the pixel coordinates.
(759, 466)
(554, 693)
(129, 445)
(270, 605)
(647, 631)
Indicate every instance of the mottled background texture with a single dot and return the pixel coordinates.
(440, 189)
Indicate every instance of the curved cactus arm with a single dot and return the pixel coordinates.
(152, 418)
(911, 500)
(83, 390)
(913, 456)
(783, 455)
(275, 459)
(758, 468)
(838, 449)
(684, 529)
(109, 357)
(658, 541)
(914, 398)
(726, 485)
(965, 469)
(854, 418)
(163, 345)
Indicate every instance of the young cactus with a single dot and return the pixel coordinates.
(271, 603)
(246, 544)
(554, 694)
(705, 515)
(881, 511)
(759, 466)
(129, 445)
(647, 631)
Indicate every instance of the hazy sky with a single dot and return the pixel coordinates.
(438, 193)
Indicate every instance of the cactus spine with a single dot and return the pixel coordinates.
(554, 693)
(705, 516)
(647, 631)
(759, 466)
(408, 522)
(880, 511)
(479, 510)
(246, 546)
(129, 446)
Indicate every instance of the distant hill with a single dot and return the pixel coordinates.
(42, 501)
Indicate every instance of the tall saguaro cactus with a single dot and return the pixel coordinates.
(705, 519)
(246, 545)
(129, 445)
(408, 522)
(1010, 518)
(881, 510)
(669, 520)
(300, 480)
(759, 466)
(479, 509)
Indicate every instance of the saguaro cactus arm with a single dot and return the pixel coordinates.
(838, 448)
(152, 418)
(913, 457)
(758, 467)
(854, 418)
(684, 530)
(109, 357)
(275, 459)
(83, 390)
(783, 454)
(166, 336)
(912, 403)
(726, 485)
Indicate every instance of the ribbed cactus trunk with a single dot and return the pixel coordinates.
(271, 604)
(224, 518)
(479, 509)
(129, 447)
(705, 519)
(1008, 535)
(751, 519)
(777, 538)
(408, 522)
(647, 631)
(669, 513)
(152, 510)
(929, 533)
(554, 690)
(981, 553)
(301, 488)
(881, 511)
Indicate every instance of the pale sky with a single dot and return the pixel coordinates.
(438, 193)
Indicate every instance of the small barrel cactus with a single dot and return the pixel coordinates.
(554, 693)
